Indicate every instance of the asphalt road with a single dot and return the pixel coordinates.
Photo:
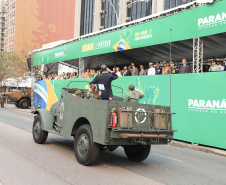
(23, 162)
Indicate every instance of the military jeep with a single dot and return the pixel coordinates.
(89, 122)
(21, 98)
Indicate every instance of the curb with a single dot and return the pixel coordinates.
(192, 146)
(26, 111)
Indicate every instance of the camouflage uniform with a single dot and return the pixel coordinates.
(91, 96)
(2, 100)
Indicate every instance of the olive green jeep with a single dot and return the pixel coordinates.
(135, 126)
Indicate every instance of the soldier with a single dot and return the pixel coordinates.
(134, 70)
(174, 69)
(103, 81)
(78, 93)
(142, 71)
(158, 70)
(134, 95)
(151, 70)
(2, 100)
(92, 93)
(166, 68)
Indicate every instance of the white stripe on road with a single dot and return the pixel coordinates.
(168, 157)
(26, 119)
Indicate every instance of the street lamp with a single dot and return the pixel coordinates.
(123, 8)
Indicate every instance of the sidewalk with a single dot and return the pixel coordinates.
(197, 147)
(13, 107)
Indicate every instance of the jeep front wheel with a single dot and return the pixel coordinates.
(39, 135)
(137, 153)
(86, 151)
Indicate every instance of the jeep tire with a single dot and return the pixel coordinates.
(137, 153)
(86, 151)
(24, 103)
(39, 135)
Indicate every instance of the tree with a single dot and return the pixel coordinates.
(11, 66)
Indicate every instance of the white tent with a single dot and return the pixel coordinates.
(20, 82)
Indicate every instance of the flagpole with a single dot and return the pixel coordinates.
(170, 64)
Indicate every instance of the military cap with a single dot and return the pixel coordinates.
(172, 62)
(164, 62)
(78, 92)
(132, 64)
(157, 63)
(150, 63)
(131, 86)
(141, 66)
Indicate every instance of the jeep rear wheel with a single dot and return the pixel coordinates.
(86, 151)
(137, 153)
(39, 135)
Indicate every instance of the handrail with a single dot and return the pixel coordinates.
(89, 82)
(74, 81)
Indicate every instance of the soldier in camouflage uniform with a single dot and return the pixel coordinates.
(174, 69)
(2, 100)
(134, 95)
(92, 94)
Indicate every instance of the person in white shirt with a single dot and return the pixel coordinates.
(220, 65)
(151, 70)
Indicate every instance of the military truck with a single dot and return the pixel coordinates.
(136, 126)
(21, 98)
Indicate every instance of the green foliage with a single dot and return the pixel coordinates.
(11, 66)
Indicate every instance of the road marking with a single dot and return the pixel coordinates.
(168, 157)
(26, 119)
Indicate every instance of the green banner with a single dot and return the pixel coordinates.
(199, 101)
(198, 22)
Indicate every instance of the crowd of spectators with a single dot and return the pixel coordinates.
(156, 69)
(58, 77)
(132, 70)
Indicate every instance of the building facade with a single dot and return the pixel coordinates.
(2, 23)
(32, 23)
(95, 15)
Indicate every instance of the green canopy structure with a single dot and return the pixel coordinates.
(147, 39)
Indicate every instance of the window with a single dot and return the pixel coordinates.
(110, 17)
(87, 18)
(174, 3)
(138, 10)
